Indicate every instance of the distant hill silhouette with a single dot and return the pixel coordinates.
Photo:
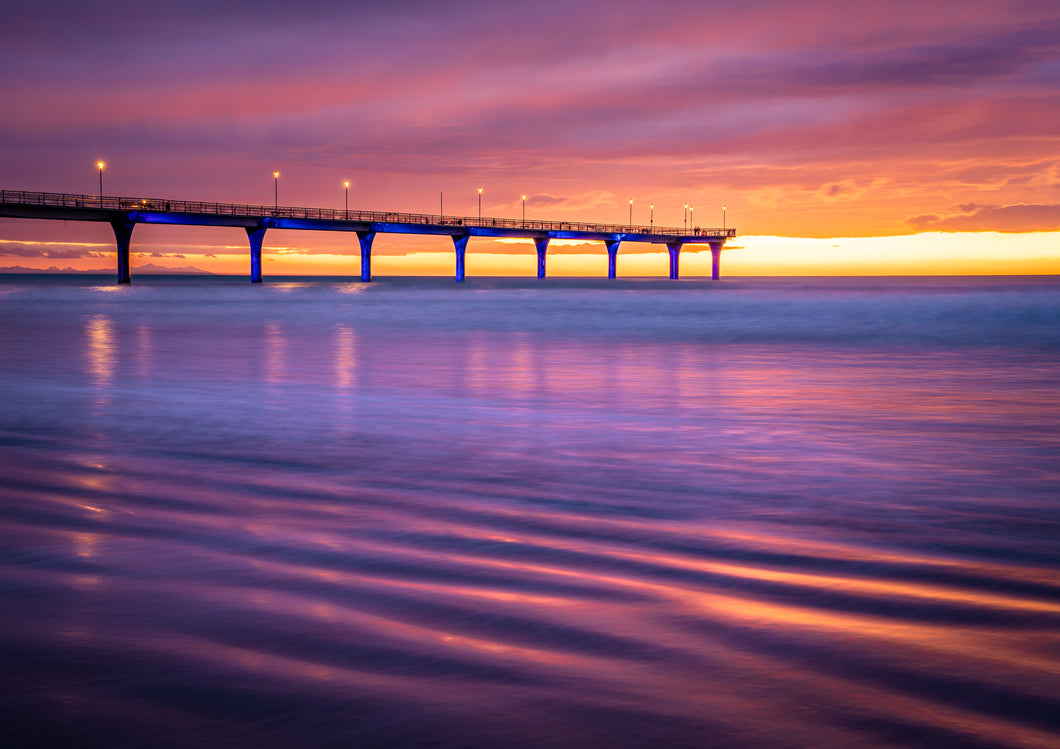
(149, 268)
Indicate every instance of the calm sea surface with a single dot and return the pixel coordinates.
(511, 513)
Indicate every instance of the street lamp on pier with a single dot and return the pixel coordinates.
(480, 204)
(346, 184)
(524, 210)
(690, 224)
(723, 218)
(100, 165)
(685, 219)
(631, 214)
(276, 189)
(652, 223)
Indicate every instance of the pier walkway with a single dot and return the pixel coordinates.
(123, 214)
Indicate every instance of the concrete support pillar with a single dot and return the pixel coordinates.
(675, 257)
(715, 259)
(612, 258)
(461, 248)
(366, 239)
(542, 247)
(256, 235)
(123, 237)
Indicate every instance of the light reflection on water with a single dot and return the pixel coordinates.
(345, 377)
(345, 356)
(144, 354)
(275, 353)
(566, 517)
(101, 355)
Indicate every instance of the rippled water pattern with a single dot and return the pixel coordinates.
(757, 513)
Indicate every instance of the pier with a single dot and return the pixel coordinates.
(123, 214)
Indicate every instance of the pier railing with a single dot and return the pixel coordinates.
(111, 203)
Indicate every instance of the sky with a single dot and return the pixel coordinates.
(887, 137)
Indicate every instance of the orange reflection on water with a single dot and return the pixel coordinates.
(413, 633)
(931, 640)
(479, 362)
(851, 695)
(101, 350)
(860, 586)
(838, 551)
(283, 669)
(521, 376)
(969, 644)
(345, 355)
(144, 351)
(275, 353)
(355, 287)
(85, 544)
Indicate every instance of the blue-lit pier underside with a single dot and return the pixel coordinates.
(123, 214)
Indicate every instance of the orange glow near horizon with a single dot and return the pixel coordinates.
(769, 256)
(325, 253)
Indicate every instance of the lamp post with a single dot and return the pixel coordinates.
(685, 219)
(723, 218)
(276, 189)
(480, 204)
(346, 184)
(524, 210)
(690, 224)
(653, 216)
(631, 214)
(99, 164)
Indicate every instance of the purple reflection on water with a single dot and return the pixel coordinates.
(750, 514)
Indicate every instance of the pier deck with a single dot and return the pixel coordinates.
(123, 213)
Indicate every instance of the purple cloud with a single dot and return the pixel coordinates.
(1007, 218)
(36, 250)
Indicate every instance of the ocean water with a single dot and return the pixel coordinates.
(512, 513)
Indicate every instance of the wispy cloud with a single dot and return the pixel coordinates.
(1005, 218)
